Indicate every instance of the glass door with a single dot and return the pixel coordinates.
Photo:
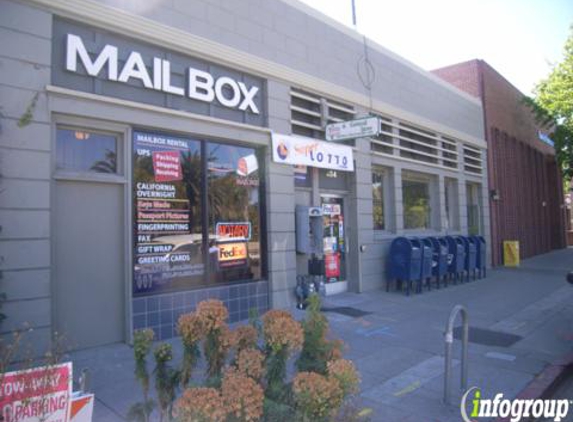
(334, 238)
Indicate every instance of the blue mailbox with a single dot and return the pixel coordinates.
(481, 255)
(404, 263)
(440, 259)
(426, 273)
(456, 256)
(470, 249)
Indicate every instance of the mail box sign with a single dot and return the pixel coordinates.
(201, 85)
(233, 231)
(92, 60)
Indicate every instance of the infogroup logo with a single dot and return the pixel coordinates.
(516, 409)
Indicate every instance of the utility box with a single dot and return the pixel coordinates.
(309, 230)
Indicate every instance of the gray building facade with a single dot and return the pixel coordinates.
(138, 171)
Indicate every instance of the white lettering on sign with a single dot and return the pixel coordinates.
(201, 85)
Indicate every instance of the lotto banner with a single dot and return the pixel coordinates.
(298, 150)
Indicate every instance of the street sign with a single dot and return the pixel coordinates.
(359, 128)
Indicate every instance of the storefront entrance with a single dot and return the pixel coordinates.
(334, 238)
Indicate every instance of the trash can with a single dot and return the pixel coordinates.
(404, 263)
(440, 259)
(456, 257)
(470, 249)
(481, 256)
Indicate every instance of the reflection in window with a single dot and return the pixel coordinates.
(378, 200)
(86, 151)
(233, 202)
(416, 200)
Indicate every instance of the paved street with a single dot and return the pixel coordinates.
(398, 346)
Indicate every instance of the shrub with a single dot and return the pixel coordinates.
(243, 397)
(245, 337)
(345, 373)
(166, 379)
(218, 339)
(317, 397)
(200, 405)
(283, 335)
(316, 349)
(250, 362)
(191, 329)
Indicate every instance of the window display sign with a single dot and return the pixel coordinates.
(297, 150)
(332, 266)
(166, 166)
(168, 240)
(232, 254)
(41, 393)
(233, 231)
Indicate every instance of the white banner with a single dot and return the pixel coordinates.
(297, 150)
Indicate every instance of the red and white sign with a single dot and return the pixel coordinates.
(332, 265)
(167, 166)
(39, 394)
(82, 408)
(232, 254)
(233, 231)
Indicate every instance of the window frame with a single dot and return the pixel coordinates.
(205, 141)
(428, 181)
(121, 134)
(383, 173)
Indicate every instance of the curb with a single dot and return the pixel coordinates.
(543, 384)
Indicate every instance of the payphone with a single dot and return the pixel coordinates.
(309, 230)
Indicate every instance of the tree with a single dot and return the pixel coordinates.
(554, 102)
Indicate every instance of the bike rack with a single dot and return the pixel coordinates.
(449, 340)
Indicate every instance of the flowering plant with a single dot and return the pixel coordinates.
(345, 373)
(245, 337)
(200, 405)
(250, 363)
(190, 326)
(317, 397)
(281, 331)
(213, 314)
(243, 397)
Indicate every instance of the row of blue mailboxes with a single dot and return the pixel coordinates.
(414, 258)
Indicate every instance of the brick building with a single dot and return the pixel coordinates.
(526, 197)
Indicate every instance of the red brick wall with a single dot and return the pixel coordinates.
(522, 169)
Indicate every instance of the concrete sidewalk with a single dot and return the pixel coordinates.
(399, 346)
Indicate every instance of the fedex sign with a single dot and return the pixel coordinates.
(200, 86)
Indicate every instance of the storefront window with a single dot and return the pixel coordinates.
(416, 201)
(378, 200)
(302, 176)
(233, 203)
(81, 150)
(171, 192)
(473, 209)
(451, 197)
(168, 223)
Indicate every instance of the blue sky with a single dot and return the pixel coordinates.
(519, 38)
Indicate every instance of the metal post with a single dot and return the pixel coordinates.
(449, 340)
